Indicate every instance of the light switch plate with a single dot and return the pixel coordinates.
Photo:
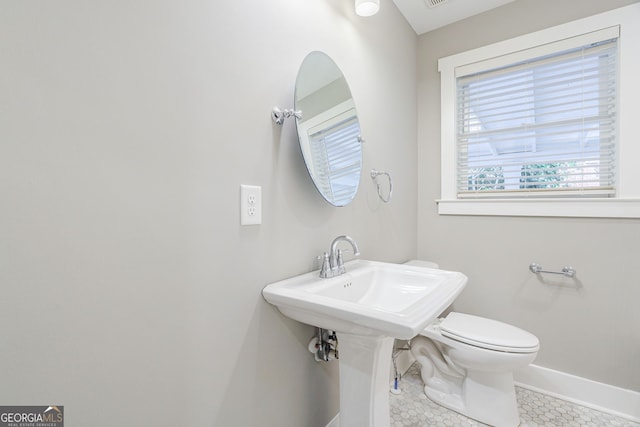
(250, 204)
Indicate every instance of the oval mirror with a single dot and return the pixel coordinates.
(329, 131)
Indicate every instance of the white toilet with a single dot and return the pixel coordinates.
(467, 365)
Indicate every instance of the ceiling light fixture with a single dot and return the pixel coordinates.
(367, 7)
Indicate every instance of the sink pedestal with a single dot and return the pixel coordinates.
(364, 380)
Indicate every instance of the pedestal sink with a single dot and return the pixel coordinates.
(368, 306)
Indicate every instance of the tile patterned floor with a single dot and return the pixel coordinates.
(412, 408)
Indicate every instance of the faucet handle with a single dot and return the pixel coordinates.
(325, 270)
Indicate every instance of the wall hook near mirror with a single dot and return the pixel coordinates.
(278, 115)
(374, 176)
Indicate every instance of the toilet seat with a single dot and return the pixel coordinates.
(487, 333)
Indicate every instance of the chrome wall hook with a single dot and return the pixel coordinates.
(278, 115)
(374, 176)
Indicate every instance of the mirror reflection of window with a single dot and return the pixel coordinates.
(337, 159)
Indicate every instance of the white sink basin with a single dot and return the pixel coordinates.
(369, 306)
(371, 298)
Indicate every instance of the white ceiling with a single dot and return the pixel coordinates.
(424, 18)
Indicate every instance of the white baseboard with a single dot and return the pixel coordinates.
(602, 397)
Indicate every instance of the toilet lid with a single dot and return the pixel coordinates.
(487, 333)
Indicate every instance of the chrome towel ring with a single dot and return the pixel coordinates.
(374, 176)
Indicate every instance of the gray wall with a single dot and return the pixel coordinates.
(589, 328)
(130, 293)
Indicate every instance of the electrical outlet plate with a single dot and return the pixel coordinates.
(250, 205)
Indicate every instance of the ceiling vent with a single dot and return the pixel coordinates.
(434, 3)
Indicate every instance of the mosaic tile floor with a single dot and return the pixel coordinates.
(412, 408)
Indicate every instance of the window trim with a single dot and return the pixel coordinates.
(626, 203)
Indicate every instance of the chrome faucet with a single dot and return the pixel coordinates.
(333, 265)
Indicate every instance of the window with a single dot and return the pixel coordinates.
(542, 127)
(543, 124)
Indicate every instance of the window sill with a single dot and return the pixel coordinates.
(576, 208)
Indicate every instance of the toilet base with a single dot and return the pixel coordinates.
(472, 381)
(486, 397)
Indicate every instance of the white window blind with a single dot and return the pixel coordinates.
(543, 126)
(337, 158)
